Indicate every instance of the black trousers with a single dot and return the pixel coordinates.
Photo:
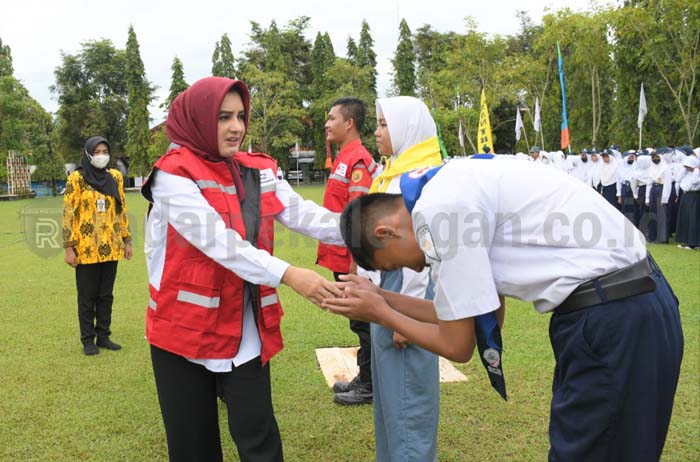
(364, 354)
(95, 283)
(188, 403)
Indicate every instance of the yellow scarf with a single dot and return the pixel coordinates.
(423, 154)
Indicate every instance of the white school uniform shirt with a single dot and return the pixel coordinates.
(608, 171)
(594, 171)
(178, 202)
(518, 230)
(691, 180)
(625, 173)
(660, 174)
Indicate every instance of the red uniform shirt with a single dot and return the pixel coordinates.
(351, 177)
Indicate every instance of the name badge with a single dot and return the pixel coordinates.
(101, 205)
(342, 169)
(266, 176)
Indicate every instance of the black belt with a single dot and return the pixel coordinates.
(626, 282)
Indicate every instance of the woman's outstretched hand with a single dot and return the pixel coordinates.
(310, 285)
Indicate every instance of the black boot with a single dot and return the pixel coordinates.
(90, 349)
(105, 342)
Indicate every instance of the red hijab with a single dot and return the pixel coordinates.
(194, 118)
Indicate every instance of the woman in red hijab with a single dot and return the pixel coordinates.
(213, 319)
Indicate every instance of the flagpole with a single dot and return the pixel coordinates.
(296, 148)
(642, 112)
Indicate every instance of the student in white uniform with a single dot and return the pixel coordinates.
(643, 178)
(405, 377)
(627, 188)
(657, 195)
(688, 226)
(594, 173)
(615, 327)
(608, 177)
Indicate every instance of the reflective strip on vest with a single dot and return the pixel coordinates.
(358, 189)
(267, 187)
(268, 300)
(152, 304)
(196, 299)
(335, 176)
(372, 167)
(203, 184)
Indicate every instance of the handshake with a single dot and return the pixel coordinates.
(354, 297)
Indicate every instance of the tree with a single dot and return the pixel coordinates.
(431, 47)
(177, 83)
(667, 34)
(352, 52)
(5, 60)
(322, 59)
(366, 57)
(139, 97)
(275, 116)
(223, 64)
(279, 59)
(404, 62)
(49, 164)
(25, 126)
(92, 98)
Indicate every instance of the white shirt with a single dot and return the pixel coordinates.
(178, 202)
(517, 230)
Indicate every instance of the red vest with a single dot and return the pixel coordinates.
(337, 196)
(197, 311)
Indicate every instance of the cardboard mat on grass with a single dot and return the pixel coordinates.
(341, 364)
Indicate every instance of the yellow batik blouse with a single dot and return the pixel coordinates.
(91, 224)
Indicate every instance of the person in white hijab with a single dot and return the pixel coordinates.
(657, 195)
(608, 177)
(559, 160)
(405, 377)
(643, 178)
(545, 158)
(688, 225)
(674, 158)
(594, 172)
(627, 187)
(522, 156)
(582, 167)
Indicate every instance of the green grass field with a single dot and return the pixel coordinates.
(59, 405)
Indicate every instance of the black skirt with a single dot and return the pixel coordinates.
(629, 207)
(657, 231)
(610, 194)
(688, 224)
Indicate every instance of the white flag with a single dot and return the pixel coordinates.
(518, 125)
(461, 134)
(642, 108)
(296, 149)
(250, 147)
(538, 121)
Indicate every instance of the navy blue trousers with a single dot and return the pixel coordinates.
(617, 367)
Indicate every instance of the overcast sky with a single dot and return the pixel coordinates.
(38, 31)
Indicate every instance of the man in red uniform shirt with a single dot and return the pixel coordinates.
(351, 177)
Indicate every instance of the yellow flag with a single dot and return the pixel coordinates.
(484, 135)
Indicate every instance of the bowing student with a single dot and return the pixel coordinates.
(615, 326)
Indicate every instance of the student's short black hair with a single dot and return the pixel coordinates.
(357, 224)
(352, 108)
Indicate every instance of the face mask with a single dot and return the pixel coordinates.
(656, 161)
(630, 161)
(100, 161)
(584, 159)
